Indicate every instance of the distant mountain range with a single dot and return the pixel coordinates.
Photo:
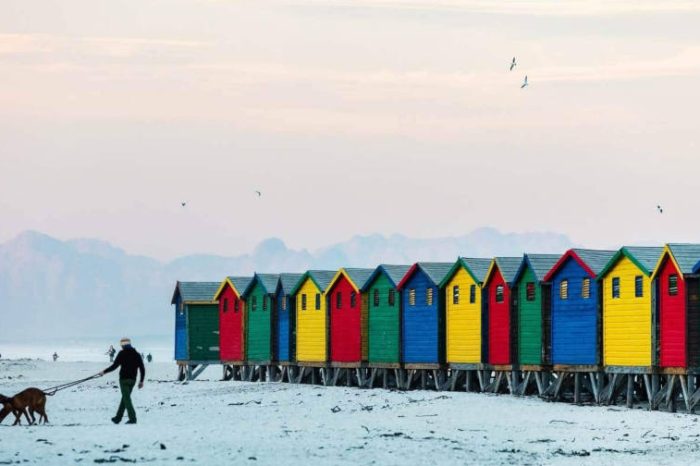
(56, 289)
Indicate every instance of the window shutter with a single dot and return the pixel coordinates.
(616, 287)
(412, 297)
(586, 288)
(392, 297)
(564, 289)
(254, 304)
(499, 293)
(338, 300)
(353, 299)
(673, 285)
(530, 291)
(284, 302)
(455, 294)
(318, 301)
(225, 304)
(429, 296)
(472, 294)
(376, 297)
(638, 286)
(303, 302)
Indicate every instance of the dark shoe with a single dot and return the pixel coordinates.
(131, 422)
(116, 420)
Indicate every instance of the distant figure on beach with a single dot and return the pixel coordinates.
(55, 356)
(149, 358)
(111, 352)
(130, 362)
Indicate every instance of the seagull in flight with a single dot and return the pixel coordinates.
(660, 209)
(512, 64)
(183, 203)
(258, 193)
(524, 84)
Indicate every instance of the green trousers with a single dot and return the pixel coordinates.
(126, 386)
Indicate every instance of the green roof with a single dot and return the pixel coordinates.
(540, 264)
(195, 291)
(321, 278)
(288, 281)
(645, 258)
(395, 273)
(267, 280)
(685, 255)
(477, 268)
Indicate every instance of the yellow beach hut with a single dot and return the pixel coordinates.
(311, 317)
(627, 308)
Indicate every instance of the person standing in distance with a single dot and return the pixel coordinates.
(131, 362)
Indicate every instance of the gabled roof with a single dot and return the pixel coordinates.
(540, 264)
(321, 278)
(475, 267)
(508, 267)
(288, 281)
(435, 272)
(267, 280)
(238, 284)
(195, 292)
(356, 277)
(591, 260)
(394, 273)
(645, 258)
(685, 257)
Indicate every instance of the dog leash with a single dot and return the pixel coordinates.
(52, 391)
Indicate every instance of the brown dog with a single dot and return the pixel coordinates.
(26, 402)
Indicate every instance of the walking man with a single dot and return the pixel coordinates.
(130, 361)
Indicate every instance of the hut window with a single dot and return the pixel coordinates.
(303, 302)
(392, 297)
(412, 297)
(472, 294)
(181, 306)
(338, 300)
(616, 287)
(353, 299)
(564, 289)
(499, 293)
(225, 304)
(673, 285)
(530, 291)
(254, 304)
(376, 298)
(318, 301)
(638, 287)
(586, 288)
(429, 296)
(265, 303)
(455, 294)
(284, 302)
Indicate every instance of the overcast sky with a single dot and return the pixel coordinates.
(364, 116)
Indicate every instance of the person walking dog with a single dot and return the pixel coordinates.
(130, 362)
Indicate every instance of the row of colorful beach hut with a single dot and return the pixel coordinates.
(577, 325)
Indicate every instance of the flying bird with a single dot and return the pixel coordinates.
(183, 204)
(660, 209)
(512, 64)
(258, 193)
(524, 83)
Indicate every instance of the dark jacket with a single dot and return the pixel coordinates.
(130, 361)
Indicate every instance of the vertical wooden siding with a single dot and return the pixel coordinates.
(346, 341)
(463, 321)
(499, 321)
(203, 327)
(258, 326)
(231, 321)
(383, 323)
(284, 327)
(627, 319)
(310, 325)
(672, 318)
(575, 319)
(420, 322)
(529, 320)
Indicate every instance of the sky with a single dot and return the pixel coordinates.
(351, 117)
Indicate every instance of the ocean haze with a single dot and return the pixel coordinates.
(53, 289)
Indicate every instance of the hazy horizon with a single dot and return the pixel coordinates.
(356, 117)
